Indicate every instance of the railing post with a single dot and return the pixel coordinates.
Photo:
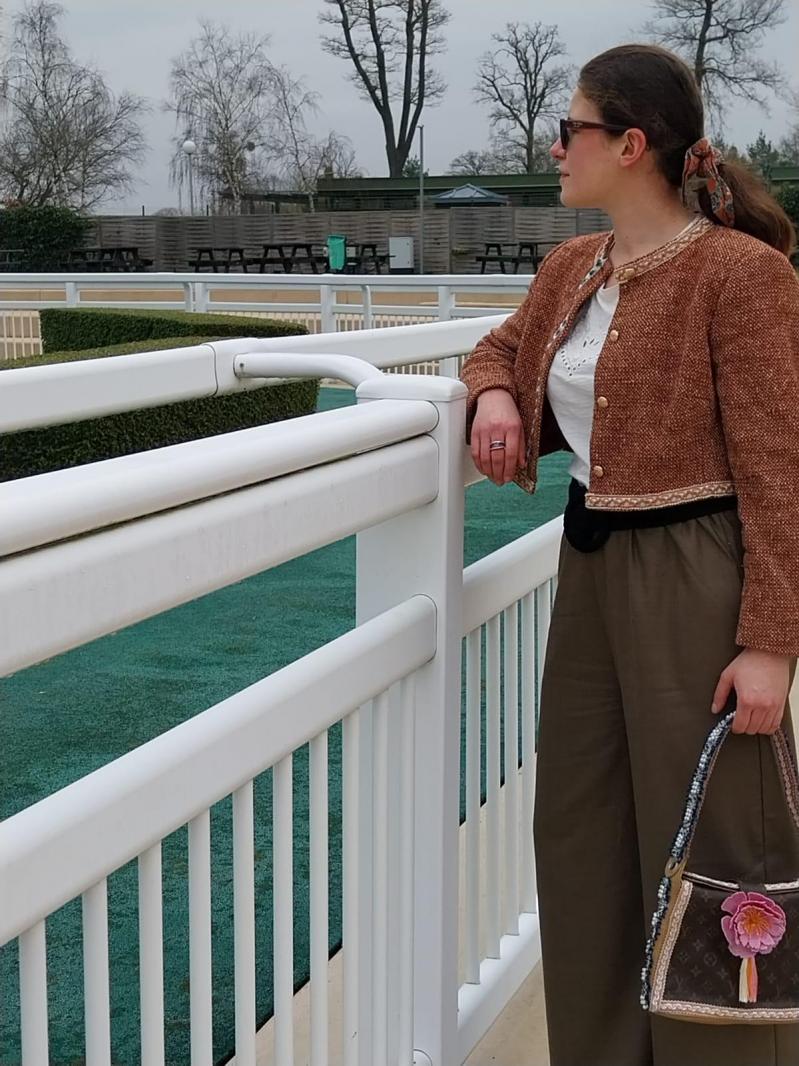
(425, 548)
(188, 295)
(326, 307)
(71, 293)
(447, 368)
(200, 296)
(368, 319)
(446, 303)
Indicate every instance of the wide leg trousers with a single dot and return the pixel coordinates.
(641, 630)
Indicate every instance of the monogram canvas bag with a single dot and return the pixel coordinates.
(724, 952)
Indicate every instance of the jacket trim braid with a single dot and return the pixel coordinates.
(645, 263)
(708, 490)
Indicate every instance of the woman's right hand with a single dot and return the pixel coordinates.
(497, 418)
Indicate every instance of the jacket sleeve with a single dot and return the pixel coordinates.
(491, 364)
(755, 350)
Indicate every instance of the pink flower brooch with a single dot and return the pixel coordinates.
(754, 925)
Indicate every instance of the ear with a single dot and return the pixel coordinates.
(633, 148)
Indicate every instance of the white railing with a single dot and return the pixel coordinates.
(96, 548)
(333, 302)
(63, 392)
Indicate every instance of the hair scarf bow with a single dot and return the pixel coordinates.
(701, 171)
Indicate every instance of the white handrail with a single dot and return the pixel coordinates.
(64, 503)
(57, 393)
(340, 282)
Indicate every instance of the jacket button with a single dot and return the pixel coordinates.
(602, 401)
(598, 471)
(613, 335)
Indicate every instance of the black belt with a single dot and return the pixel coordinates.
(587, 529)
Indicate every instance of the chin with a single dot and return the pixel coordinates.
(570, 198)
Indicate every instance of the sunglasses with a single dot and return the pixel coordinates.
(569, 125)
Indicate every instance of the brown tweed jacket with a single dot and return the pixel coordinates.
(697, 390)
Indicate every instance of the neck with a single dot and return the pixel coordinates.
(640, 224)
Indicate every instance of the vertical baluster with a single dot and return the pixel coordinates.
(380, 908)
(472, 902)
(493, 899)
(350, 764)
(33, 996)
(200, 972)
(511, 895)
(319, 900)
(283, 909)
(95, 975)
(151, 957)
(244, 924)
(528, 752)
(407, 867)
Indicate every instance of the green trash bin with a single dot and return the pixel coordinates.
(336, 252)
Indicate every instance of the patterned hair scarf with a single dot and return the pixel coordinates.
(701, 171)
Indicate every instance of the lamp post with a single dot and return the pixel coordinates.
(189, 147)
(421, 199)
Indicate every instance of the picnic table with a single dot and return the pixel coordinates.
(525, 252)
(218, 259)
(289, 255)
(364, 258)
(108, 258)
(282, 256)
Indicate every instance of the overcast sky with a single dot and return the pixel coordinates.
(133, 41)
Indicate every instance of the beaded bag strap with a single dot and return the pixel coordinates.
(701, 778)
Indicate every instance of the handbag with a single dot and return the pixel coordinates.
(724, 952)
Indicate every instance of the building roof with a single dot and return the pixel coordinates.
(468, 194)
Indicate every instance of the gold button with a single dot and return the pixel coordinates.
(602, 401)
(614, 334)
(598, 471)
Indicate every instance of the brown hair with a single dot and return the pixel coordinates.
(646, 87)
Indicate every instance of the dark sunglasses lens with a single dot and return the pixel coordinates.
(564, 134)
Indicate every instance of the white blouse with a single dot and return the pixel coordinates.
(570, 386)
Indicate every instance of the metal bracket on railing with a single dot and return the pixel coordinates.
(304, 365)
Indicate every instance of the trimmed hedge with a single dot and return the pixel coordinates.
(37, 451)
(77, 329)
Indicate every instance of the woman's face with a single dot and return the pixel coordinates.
(589, 167)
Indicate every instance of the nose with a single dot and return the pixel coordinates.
(557, 151)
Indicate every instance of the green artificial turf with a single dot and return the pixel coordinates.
(70, 715)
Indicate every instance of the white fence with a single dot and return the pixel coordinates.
(95, 548)
(321, 303)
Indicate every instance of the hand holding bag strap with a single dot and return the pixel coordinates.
(696, 794)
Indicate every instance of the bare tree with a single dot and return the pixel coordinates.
(390, 43)
(471, 164)
(789, 144)
(504, 157)
(221, 96)
(66, 139)
(304, 157)
(719, 39)
(521, 86)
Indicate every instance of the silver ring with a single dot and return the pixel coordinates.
(496, 444)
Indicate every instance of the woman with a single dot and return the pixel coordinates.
(665, 356)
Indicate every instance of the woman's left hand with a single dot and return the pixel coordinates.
(761, 680)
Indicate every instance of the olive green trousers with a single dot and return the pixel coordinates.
(641, 630)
